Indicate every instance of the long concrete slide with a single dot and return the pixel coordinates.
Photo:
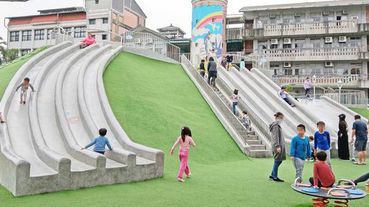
(253, 145)
(260, 95)
(41, 142)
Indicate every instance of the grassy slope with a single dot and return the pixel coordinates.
(8, 71)
(363, 111)
(153, 100)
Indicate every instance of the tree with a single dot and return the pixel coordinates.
(10, 54)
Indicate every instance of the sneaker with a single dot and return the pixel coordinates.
(278, 180)
(271, 177)
(181, 180)
(353, 160)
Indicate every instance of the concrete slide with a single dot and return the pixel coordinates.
(42, 140)
(260, 96)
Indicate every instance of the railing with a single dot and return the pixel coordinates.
(349, 98)
(348, 26)
(148, 41)
(235, 33)
(327, 80)
(323, 54)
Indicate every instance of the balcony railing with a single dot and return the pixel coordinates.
(235, 33)
(333, 27)
(318, 54)
(327, 80)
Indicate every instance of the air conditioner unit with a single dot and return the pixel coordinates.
(137, 40)
(274, 41)
(287, 41)
(328, 40)
(344, 12)
(287, 65)
(328, 64)
(342, 39)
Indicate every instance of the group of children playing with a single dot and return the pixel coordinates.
(319, 149)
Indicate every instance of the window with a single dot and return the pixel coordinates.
(297, 71)
(286, 46)
(96, 1)
(39, 34)
(27, 35)
(14, 36)
(49, 34)
(273, 46)
(79, 32)
(287, 71)
(104, 37)
(68, 30)
(105, 20)
(92, 21)
(339, 18)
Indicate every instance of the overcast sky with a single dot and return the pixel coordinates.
(160, 13)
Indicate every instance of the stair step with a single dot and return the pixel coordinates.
(259, 153)
(252, 137)
(251, 133)
(253, 142)
(258, 147)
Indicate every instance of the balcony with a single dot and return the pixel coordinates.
(333, 27)
(322, 81)
(319, 54)
(235, 33)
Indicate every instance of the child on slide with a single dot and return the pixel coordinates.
(100, 142)
(2, 121)
(24, 88)
(185, 141)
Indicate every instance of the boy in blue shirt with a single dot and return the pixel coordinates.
(300, 151)
(100, 142)
(322, 141)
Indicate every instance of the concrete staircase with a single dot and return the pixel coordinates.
(256, 146)
(247, 140)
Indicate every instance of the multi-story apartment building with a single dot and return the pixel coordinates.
(105, 19)
(326, 39)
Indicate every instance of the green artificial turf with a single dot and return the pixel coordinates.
(153, 100)
(8, 71)
(362, 111)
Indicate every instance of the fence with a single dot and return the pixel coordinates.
(349, 98)
(328, 80)
(148, 41)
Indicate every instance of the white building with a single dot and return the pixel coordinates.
(104, 19)
(326, 39)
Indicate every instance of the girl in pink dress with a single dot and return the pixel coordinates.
(185, 141)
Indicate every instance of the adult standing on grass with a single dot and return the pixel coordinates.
(212, 71)
(185, 142)
(360, 131)
(343, 143)
(278, 144)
